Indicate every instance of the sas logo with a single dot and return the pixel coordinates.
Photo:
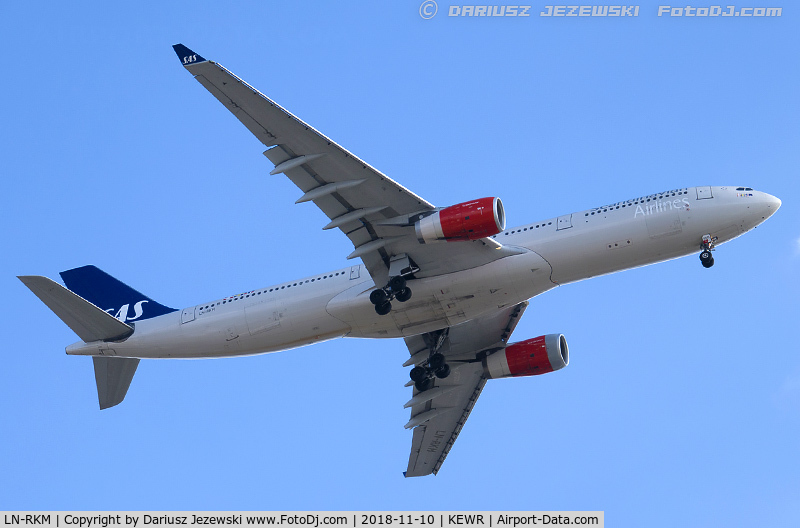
(122, 313)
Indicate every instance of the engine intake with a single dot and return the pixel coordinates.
(465, 221)
(539, 355)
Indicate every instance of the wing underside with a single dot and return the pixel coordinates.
(438, 414)
(376, 213)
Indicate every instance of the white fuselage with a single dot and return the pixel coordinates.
(553, 252)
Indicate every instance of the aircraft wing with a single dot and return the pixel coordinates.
(376, 213)
(438, 414)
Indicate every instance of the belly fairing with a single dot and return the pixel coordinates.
(446, 300)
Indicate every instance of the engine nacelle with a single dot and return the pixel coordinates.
(465, 221)
(539, 355)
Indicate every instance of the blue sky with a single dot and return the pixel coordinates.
(682, 397)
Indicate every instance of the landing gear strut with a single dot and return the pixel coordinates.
(395, 289)
(423, 375)
(707, 245)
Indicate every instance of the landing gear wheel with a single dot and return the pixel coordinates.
(397, 283)
(707, 245)
(707, 259)
(443, 371)
(377, 297)
(423, 385)
(403, 295)
(418, 374)
(436, 361)
(383, 308)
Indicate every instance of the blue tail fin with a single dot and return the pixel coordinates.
(111, 295)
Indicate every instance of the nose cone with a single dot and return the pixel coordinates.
(773, 200)
(765, 206)
(770, 204)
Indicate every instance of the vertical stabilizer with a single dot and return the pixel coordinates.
(112, 295)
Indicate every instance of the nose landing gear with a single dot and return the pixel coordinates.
(382, 297)
(707, 245)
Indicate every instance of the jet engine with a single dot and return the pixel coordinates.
(539, 355)
(465, 221)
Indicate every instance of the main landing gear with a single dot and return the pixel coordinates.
(423, 375)
(382, 297)
(707, 245)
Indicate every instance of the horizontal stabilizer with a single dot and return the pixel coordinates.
(113, 376)
(84, 318)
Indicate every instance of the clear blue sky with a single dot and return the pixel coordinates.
(683, 392)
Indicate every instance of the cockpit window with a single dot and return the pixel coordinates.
(744, 188)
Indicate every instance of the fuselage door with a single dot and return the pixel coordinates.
(187, 314)
(704, 193)
(355, 272)
(564, 222)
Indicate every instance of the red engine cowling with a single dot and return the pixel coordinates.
(539, 355)
(465, 221)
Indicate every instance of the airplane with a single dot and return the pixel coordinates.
(453, 281)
